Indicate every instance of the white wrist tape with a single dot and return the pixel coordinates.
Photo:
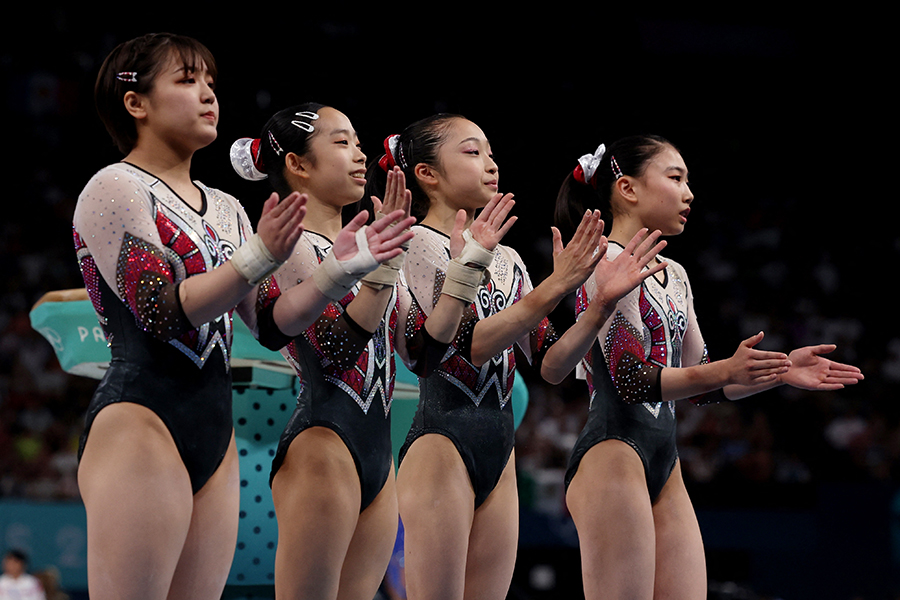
(474, 253)
(335, 278)
(386, 274)
(462, 282)
(253, 261)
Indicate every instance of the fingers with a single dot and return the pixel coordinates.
(752, 341)
(587, 236)
(389, 188)
(285, 216)
(407, 202)
(635, 240)
(847, 370)
(357, 222)
(387, 220)
(822, 348)
(506, 227)
(488, 209)
(582, 227)
(770, 364)
(460, 223)
(376, 203)
(645, 251)
(399, 230)
(557, 241)
(270, 204)
(395, 194)
(387, 254)
(649, 272)
(383, 247)
(501, 211)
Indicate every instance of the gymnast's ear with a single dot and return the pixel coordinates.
(625, 187)
(425, 174)
(296, 165)
(134, 104)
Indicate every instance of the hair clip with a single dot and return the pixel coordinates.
(274, 144)
(397, 150)
(127, 76)
(615, 167)
(587, 166)
(307, 127)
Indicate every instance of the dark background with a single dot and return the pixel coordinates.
(781, 115)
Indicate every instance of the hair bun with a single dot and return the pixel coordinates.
(246, 160)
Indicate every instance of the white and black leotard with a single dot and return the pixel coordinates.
(653, 327)
(466, 403)
(136, 240)
(346, 375)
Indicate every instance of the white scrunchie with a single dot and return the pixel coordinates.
(242, 160)
(590, 162)
(396, 153)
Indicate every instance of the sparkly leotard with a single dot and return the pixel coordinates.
(466, 403)
(653, 327)
(136, 241)
(346, 374)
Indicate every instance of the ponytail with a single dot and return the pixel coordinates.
(589, 185)
(419, 143)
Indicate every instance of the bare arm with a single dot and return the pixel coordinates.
(613, 279)
(488, 229)
(572, 265)
(298, 307)
(748, 368)
(367, 308)
(206, 296)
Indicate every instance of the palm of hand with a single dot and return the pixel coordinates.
(344, 246)
(618, 277)
(576, 263)
(810, 371)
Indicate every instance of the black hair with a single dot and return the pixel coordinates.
(418, 144)
(19, 555)
(289, 130)
(133, 66)
(632, 155)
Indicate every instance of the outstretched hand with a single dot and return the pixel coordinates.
(811, 371)
(488, 228)
(281, 224)
(575, 262)
(384, 236)
(750, 366)
(615, 278)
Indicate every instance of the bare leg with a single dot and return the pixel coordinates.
(437, 505)
(137, 495)
(371, 547)
(316, 494)
(610, 505)
(680, 561)
(209, 549)
(493, 541)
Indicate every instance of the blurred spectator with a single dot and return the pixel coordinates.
(15, 583)
(49, 579)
